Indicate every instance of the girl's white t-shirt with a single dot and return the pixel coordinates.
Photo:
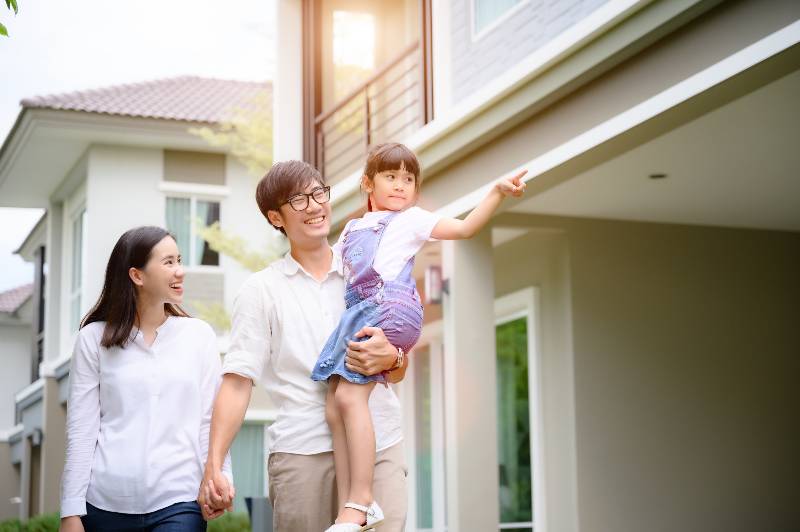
(402, 238)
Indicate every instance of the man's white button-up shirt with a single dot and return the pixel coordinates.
(282, 318)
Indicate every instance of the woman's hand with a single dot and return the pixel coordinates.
(72, 523)
(215, 498)
(371, 356)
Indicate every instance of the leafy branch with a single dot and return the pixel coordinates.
(10, 4)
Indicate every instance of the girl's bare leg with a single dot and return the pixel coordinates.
(336, 424)
(352, 401)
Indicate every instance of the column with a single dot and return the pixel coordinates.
(470, 385)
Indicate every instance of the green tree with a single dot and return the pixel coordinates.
(247, 136)
(10, 4)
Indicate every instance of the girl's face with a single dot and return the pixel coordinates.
(392, 190)
(162, 277)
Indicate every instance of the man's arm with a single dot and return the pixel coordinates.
(230, 406)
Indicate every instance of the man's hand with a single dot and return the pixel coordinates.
(71, 524)
(371, 356)
(216, 495)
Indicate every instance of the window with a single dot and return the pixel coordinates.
(183, 217)
(76, 284)
(488, 13)
(513, 425)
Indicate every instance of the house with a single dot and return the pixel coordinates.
(100, 162)
(618, 351)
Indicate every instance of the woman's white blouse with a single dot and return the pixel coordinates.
(138, 418)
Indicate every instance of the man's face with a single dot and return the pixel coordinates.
(308, 226)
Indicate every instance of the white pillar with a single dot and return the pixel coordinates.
(470, 385)
(54, 257)
(287, 137)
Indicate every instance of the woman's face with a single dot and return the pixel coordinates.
(162, 276)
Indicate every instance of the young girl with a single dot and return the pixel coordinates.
(143, 379)
(378, 251)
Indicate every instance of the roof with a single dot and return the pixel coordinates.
(11, 300)
(190, 98)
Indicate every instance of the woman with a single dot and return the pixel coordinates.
(142, 384)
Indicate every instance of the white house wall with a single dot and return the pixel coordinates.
(684, 355)
(15, 355)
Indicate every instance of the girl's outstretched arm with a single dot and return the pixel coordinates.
(455, 229)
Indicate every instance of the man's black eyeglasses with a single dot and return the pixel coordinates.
(299, 202)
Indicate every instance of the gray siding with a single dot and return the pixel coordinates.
(475, 63)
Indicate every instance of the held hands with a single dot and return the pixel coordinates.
(216, 495)
(512, 186)
(371, 356)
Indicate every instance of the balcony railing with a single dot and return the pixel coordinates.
(388, 106)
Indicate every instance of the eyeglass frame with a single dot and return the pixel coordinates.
(309, 196)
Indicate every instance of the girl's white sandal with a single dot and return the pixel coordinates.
(374, 517)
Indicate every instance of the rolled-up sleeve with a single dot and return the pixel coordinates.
(83, 425)
(250, 332)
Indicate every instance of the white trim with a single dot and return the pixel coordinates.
(185, 190)
(29, 390)
(526, 303)
(254, 415)
(495, 23)
(638, 114)
(48, 367)
(562, 45)
(6, 435)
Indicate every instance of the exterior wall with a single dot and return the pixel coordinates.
(710, 38)
(119, 177)
(479, 58)
(9, 487)
(52, 448)
(684, 353)
(15, 353)
(240, 216)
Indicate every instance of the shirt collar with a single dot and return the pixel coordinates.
(290, 266)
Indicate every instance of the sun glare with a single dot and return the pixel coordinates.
(354, 39)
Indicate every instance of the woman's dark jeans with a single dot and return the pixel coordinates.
(179, 517)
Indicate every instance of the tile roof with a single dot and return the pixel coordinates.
(11, 300)
(189, 98)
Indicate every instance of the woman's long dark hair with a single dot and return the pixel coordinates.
(117, 303)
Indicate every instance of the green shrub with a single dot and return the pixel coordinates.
(40, 523)
(43, 523)
(11, 525)
(230, 522)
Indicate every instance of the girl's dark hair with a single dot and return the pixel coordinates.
(117, 303)
(392, 156)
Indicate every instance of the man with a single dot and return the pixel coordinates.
(281, 319)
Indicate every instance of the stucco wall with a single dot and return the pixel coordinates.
(685, 354)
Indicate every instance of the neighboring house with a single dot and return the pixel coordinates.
(101, 162)
(619, 351)
(16, 313)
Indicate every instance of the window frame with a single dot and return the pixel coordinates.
(478, 35)
(195, 193)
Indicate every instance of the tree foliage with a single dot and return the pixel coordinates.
(10, 4)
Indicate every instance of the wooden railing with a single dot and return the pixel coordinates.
(388, 106)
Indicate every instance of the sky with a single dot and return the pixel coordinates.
(56, 46)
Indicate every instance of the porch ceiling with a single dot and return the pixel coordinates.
(735, 166)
